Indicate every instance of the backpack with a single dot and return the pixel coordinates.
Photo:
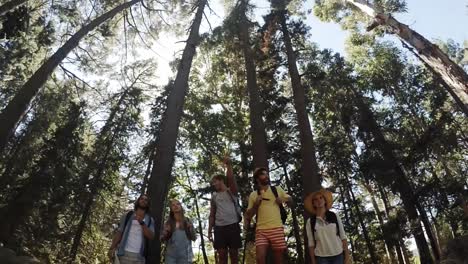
(284, 214)
(127, 218)
(236, 205)
(330, 217)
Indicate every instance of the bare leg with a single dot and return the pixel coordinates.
(234, 255)
(278, 256)
(222, 256)
(261, 254)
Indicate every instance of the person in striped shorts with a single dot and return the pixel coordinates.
(266, 206)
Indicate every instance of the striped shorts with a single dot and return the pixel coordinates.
(272, 236)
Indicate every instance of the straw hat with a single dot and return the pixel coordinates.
(308, 201)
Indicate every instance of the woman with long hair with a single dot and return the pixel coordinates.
(325, 232)
(178, 233)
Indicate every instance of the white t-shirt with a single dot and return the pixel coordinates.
(135, 238)
(328, 243)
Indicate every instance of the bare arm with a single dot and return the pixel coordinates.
(166, 232)
(211, 221)
(231, 181)
(312, 255)
(116, 240)
(253, 210)
(346, 251)
(147, 232)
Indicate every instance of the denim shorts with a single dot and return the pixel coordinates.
(338, 259)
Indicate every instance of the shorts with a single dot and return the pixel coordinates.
(131, 258)
(226, 237)
(339, 259)
(273, 236)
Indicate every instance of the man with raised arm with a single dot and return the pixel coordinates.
(225, 215)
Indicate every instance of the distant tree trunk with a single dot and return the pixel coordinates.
(346, 214)
(95, 187)
(451, 73)
(399, 249)
(161, 173)
(401, 183)
(10, 5)
(200, 223)
(429, 232)
(365, 232)
(144, 185)
(388, 246)
(310, 174)
(296, 227)
(257, 125)
(17, 107)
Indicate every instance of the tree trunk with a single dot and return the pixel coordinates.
(296, 228)
(398, 248)
(144, 185)
(429, 232)
(388, 246)
(401, 183)
(310, 175)
(95, 187)
(346, 214)
(166, 145)
(6, 7)
(365, 232)
(200, 223)
(257, 125)
(432, 56)
(17, 107)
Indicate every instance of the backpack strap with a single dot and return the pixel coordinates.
(236, 205)
(312, 222)
(332, 218)
(127, 218)
(282, 210)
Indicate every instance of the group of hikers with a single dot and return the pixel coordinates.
(327, 242)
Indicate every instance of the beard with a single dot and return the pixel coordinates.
(144, 207)
(264, 181)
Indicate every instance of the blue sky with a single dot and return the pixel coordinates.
(434, 19)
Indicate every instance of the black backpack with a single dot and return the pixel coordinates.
(127, 218)
(330, 217)
(284, 214)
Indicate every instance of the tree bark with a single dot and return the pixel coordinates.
(166, 145)
(144, 185)
(401, 182)
(10, 5)
(17, 107)
(257, 125)
(431, 55)
(310, 175)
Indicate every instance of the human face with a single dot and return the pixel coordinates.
(143, 202)
(176, 207)
(263, 178)
(217, 184)
(318, 201)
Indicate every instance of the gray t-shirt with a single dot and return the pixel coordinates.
(226, 209)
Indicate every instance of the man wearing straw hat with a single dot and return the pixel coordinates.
(325, 232)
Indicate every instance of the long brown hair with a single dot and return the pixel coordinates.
(172, 221)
